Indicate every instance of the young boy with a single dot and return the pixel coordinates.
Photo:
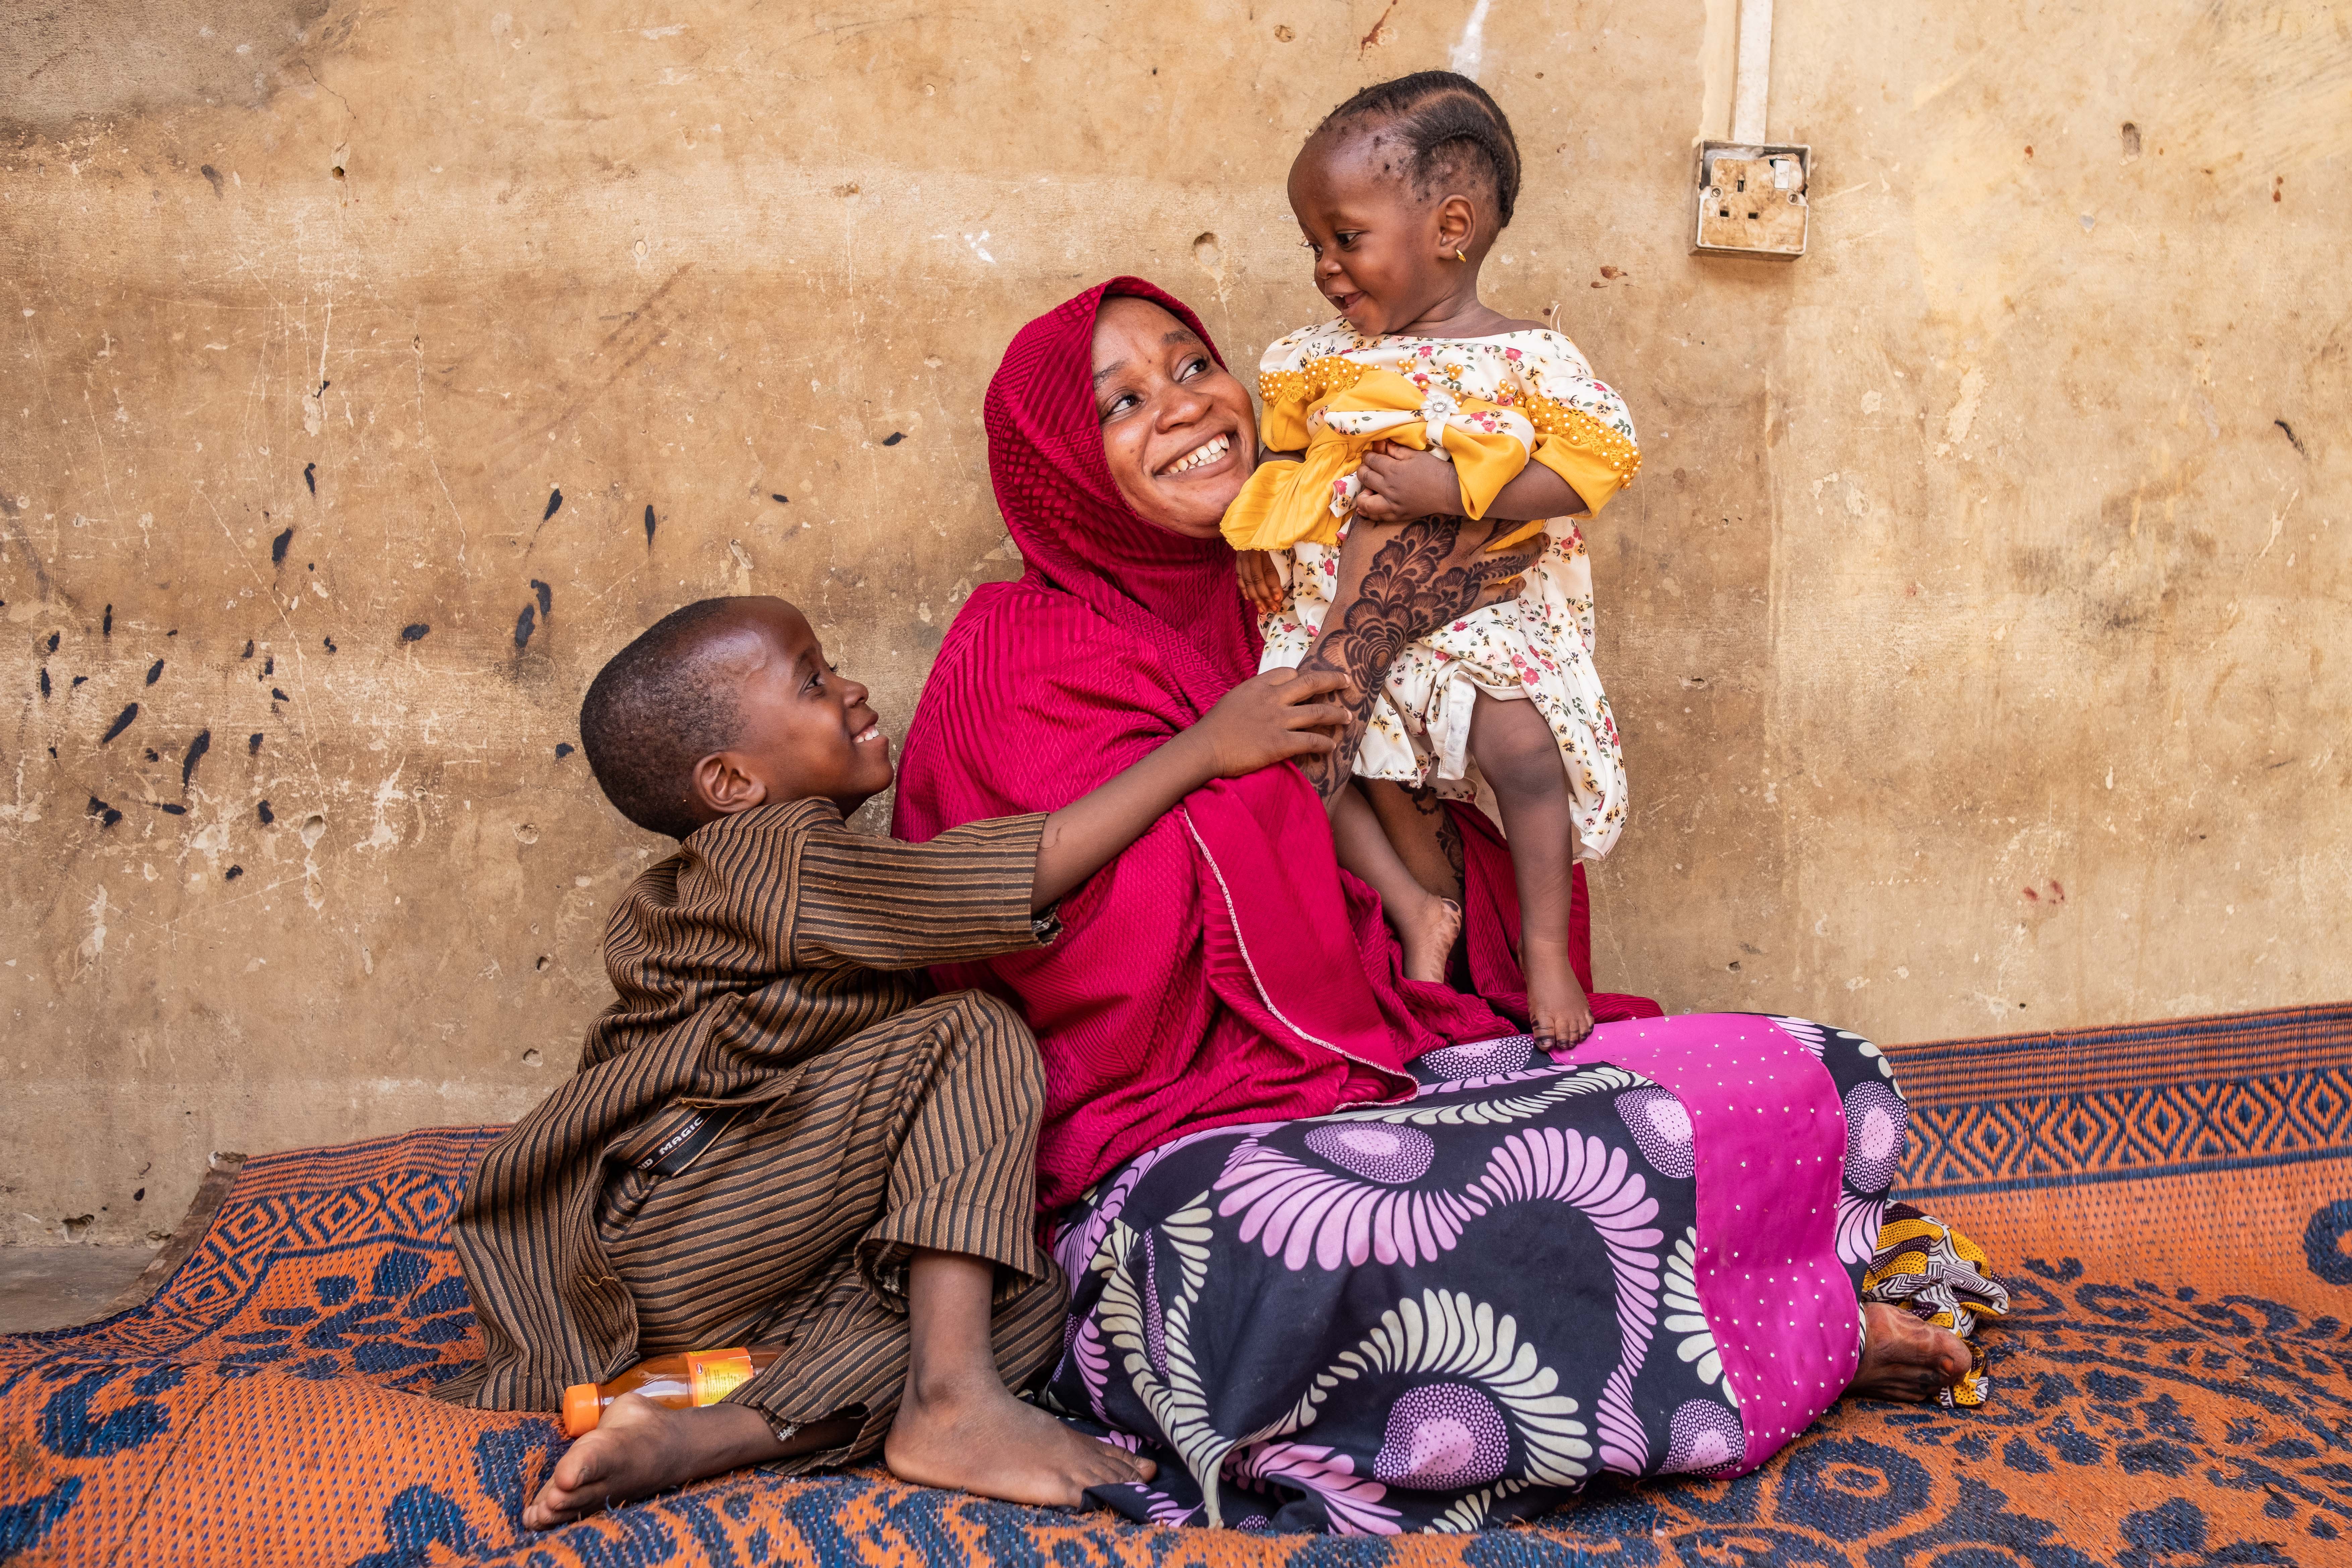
(776, 1135)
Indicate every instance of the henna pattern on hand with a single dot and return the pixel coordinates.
(1408, 590)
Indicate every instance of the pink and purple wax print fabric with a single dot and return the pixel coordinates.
(1453, 1311)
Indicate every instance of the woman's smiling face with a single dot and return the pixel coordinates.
(1177, 428)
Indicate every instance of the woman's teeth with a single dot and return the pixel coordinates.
(1207, 452)
(868, 736)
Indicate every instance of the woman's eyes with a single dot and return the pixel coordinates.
(1123, 402)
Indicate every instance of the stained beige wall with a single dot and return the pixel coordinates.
(1976, 627)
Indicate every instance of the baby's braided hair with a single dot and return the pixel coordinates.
(1445, 122)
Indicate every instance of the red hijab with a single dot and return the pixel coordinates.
(1224, 969)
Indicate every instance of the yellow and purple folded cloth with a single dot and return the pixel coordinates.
(1337, 410)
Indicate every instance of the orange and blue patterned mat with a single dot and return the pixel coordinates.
(2172, 1205)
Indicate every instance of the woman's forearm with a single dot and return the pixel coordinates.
(1398, 583)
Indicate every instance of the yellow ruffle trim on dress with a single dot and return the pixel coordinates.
(1286, 503)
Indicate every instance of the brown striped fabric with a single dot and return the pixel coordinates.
(770, 971)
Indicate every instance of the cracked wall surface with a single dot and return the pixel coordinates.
(1976, 625)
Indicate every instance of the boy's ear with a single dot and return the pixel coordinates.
(723, 786)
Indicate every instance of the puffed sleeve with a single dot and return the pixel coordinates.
(888, 904)
(1583, 431)
(1287, 390)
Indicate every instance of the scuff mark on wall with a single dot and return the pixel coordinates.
(1962, 415)
(1470, 49)
(93, 942)
(382, 834)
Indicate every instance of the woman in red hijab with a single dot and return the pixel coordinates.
(1346, 1253)
(1225, 969)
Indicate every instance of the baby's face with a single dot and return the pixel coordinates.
(805, 731)
(1379, 254)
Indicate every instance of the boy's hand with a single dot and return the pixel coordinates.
(1269, 718)
(1403, 485)
(1261, 582)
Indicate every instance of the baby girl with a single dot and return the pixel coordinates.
(1419, 400)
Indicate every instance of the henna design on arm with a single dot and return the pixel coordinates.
(1427, 574)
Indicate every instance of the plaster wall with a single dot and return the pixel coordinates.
(372, 372)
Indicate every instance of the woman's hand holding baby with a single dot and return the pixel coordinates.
(1405, 484)
(1402, 484)
(1268, 719)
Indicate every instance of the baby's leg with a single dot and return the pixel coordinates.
(1515, 753)
(1425, 838)
(1425, 924)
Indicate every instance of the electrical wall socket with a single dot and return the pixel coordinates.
(1751, 199)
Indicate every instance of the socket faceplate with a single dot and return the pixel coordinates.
(1751, 199)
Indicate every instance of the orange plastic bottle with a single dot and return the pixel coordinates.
(680, 1382)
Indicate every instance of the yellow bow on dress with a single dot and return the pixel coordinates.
(1286, 503)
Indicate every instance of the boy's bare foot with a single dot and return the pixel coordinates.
(1558, 1009)
(639, 1448)
(974, 1435)
(1427, 929)
(1905, 1358)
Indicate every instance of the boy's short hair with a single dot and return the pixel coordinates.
(655, 709)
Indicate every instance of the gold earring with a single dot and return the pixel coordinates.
(1459, 256)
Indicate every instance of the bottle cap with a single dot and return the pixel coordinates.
(582, 1409)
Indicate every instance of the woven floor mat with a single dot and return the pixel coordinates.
(2170, 1204)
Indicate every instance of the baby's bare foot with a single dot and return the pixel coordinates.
(1427, 932)
(1905, 1358)
(977, 1437)
(1557, 1010)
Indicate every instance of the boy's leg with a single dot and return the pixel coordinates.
(1425, 924)
(959, 1426)
(1516, 755)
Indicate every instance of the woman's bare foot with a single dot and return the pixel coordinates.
(974, 1435)
(1427, 931)
(1558, 1009)
(1905, 1358)
(639, 1448)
